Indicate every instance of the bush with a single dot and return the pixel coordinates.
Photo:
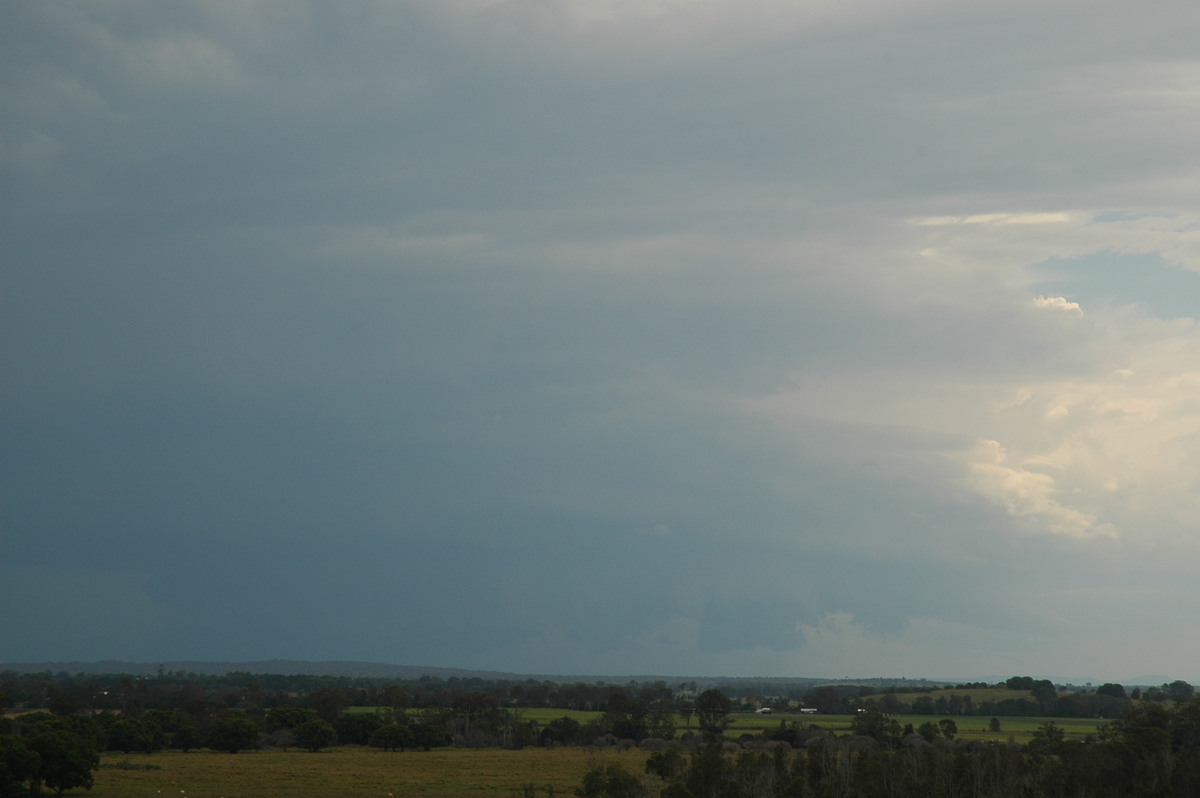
(233, 732)
(314, 735)
(67, 760)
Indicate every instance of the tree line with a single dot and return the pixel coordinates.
(56, 724)
(1038, 698)
(1152, 751)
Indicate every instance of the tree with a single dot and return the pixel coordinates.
(612, 781)
(877, 726)
(929, 730)
(18, 764)
(356, 728)
(994, 725)
(477, 709)
(668, 765)
(687, 708)
(660, 721)
(289, 717)
(426, 736)
(712, 711)
(233, 732)
(186, 737)
(1111, 689)
(1019, 683)
(67, 760)
(396, 699)
(1179, 691)
(128, 734)
(1047, 737)
(827, 700)
(328, 702)
(314, 735)
(393, 737)
(949, 728)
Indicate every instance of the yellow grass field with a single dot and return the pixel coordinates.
(353, 772)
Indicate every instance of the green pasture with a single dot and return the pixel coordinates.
(970, 727)
(543, 715)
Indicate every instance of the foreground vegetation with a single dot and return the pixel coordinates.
(232, 736)
(1147, 753)
(1153, 751)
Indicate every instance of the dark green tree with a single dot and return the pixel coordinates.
(19, 766)
(289, 717)
(709, 773)
(185, 737)
(328, 702)
(668, 765)
(687, 708)
(876, 725)
(427, 735)
(396, 699)
(827, 700)
(1047, 738)
(561, 731)
(356, 728)
(314, 735)
(712, 711)
(1179, 691)
(128, 734)
(949, 728)
(233, 732)
(1019, 683)
(611, 781)
(67, 760)
(393, 737)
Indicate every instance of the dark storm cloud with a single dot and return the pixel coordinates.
(554, 338)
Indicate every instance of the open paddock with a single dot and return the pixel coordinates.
(352, 772)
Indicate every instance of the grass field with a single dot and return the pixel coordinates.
(970, 727)
(353, 772)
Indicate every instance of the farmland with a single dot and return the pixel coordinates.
(353, 772)
(357, 772)
(176, 734)
(1016, 729)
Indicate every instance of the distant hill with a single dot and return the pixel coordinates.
(379, 670)
(767, 685)
(286, 667)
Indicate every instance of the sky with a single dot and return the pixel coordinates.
(683, 337)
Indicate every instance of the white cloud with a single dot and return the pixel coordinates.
(1058, 303)
(997, 219)
(1112, 449)
(1030, 495)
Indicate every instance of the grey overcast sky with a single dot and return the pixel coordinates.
(689, 337)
